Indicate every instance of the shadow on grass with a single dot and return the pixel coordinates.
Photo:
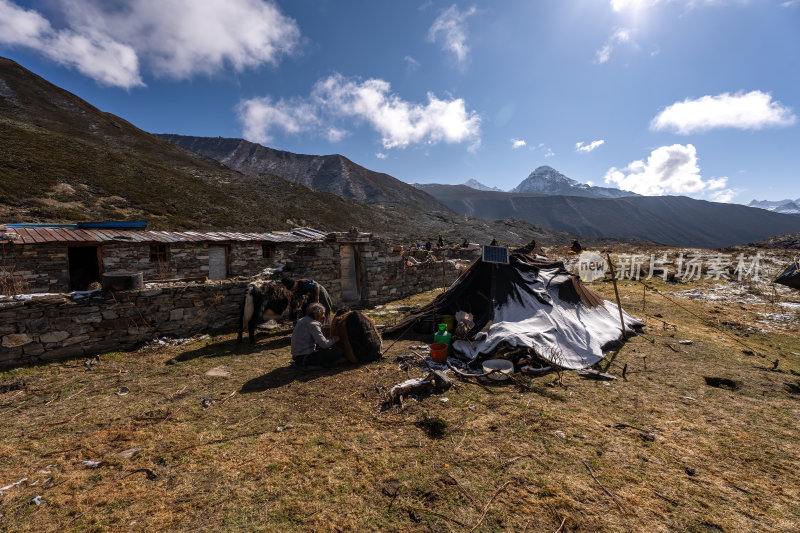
(284, 375)
(232, 347)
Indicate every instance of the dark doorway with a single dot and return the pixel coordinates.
(84, 267)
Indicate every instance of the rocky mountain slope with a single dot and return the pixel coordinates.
(332, 173)
(790, 241)
(671, 220)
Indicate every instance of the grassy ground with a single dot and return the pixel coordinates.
(269, 448)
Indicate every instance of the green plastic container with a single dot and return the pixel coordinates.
(444, 336)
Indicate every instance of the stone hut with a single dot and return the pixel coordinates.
(64, 258)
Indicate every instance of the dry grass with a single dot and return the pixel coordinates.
(721, 460)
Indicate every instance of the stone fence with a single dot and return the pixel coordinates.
(41, 328)
(61, 326)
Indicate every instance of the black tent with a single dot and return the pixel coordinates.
(790, 276)
(531, 302)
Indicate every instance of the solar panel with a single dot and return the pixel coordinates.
(495, 254)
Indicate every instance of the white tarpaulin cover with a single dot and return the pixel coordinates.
(532, 302)
(566, 334)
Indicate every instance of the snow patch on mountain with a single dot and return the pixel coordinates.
(787, 207)
(549, 181)
(475, 184)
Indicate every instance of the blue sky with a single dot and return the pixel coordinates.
(694, 97)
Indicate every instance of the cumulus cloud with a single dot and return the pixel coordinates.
(620, 36)
(668, 170)
(518, 143)
(94, 54)
(175, 38)
(586, 148)
(549, 153)
(449, 29)
(260, 116)
(745, 111)
(399, 123)
(381, 155)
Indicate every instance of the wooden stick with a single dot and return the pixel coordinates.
(486, 507)
(589, 468)
(562, 524)
(616, 293)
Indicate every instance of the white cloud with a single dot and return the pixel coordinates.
(381, 155)
(450, 30)
(745, 111)
(620, 36)
(790, 3)
(724, 195)
(518, 143)
(94, 54)
(174, 38)
(668, 170)
(549, 153)
(259, 116)
(411, 63)
(586, 148)
(399, 123)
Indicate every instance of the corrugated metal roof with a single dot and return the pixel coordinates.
(38, 235)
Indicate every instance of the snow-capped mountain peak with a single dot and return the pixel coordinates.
(547, 180)
(475, 184)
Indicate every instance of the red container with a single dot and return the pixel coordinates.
(439, 352)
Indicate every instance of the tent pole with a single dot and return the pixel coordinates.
(616, 293)
(493, 290)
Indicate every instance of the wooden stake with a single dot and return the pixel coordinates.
(616, 293)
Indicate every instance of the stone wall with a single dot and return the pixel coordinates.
(39, 268)
(44, 267)
(51, 327)
(57, 326)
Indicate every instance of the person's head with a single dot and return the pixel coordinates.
(316, 311)
(288, 283)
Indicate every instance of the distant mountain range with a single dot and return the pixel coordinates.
(477, 185)
(788, 207)
(547, 180)
(671, 220)
(331, 173)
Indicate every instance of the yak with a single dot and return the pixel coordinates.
(358, 336)
(266, 300)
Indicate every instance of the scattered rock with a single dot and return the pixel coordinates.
(722, 383)
(283, 428)
(122, 391)
(686, 342)
(206, 403)
(91, 464)
(689, 471)
(37, 500)
(647, 436)
(130, 453)
(391, 488)
(414, 516)
(220, 371)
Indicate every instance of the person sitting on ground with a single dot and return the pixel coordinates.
(576, 247)
(315, 291)
(428, 245)
(309, 345)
